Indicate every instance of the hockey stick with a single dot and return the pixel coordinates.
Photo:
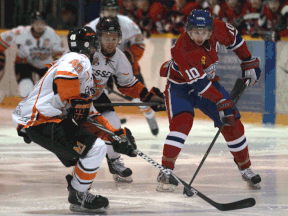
(236, 93)
(126, 104)
(245, 203)
(122, 96)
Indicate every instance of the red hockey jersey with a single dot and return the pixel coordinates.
(196, 65)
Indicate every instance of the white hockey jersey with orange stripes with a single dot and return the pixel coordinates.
(117, 66)
(37, 52)
(47, 102)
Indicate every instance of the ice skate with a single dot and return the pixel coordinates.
(85, 201)
(153, 126)
(253, 180)
(166, 183)
(119, 171)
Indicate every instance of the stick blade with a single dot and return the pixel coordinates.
(188, 192)
(246, 203)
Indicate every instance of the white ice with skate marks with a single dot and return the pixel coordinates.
(32, 180)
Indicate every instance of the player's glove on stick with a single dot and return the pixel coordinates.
(227, 114)
(155, 95)
(80, 107)
(127, 144)
(250, 70)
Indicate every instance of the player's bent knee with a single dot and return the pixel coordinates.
(182, 123)
(99, 148)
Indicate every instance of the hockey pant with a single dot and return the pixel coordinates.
(74, 146)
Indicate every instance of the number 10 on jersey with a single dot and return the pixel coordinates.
(192, 73)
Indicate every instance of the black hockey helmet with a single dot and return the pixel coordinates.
(109, 4)
(37, 15)
(81, 40)
(106, 24)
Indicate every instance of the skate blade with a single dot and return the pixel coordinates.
(161, 187)
(254, 186)
(118, 178)
(77, 208)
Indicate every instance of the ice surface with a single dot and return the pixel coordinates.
(32, 180)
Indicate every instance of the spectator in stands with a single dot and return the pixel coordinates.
(213, 6)
(251, 13)
(67, 18)
(272, 21)
(230, 10)
(128, 8)
(177, 16)
(151, 17)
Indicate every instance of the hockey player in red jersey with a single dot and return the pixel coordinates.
(192, 83)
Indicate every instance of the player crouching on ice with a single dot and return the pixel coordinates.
(52, 115)
(192, 83)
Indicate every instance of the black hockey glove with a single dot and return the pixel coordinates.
(155, 95)
(80, 107)
(127, 143)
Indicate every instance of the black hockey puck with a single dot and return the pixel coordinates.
(123, 121)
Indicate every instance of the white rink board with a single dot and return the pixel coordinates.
(156, 53)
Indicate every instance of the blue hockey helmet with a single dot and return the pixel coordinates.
(199, 19)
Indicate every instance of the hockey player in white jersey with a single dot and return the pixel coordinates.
(111, 61)
(133, 46)
(38, 44)
(54, 112)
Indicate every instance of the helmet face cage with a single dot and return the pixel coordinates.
(81, 40)
(200, 19)
(109, 25)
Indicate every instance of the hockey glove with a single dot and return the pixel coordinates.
(250, 70)
(80, 107)
(226, 113)
(127, 143)
(155, 95)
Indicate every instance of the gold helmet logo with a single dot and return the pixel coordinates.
(203, 60)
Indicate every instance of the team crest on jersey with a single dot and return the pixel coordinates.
(46, 42)
(80, 148)
(8, 39)
(203, 60)
(28, 43)
(95, 61)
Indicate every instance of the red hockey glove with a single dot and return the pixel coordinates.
(250, 70)
(80, 107)
(127, 144)
(155, 95)
(226, 112)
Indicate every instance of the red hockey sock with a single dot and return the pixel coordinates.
(170, 154)
(237, 144)
(242, 158)
(180, 127)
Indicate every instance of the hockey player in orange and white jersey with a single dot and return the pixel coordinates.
(133, 46)
(53, 113)
(38, 44)
(112, 62)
